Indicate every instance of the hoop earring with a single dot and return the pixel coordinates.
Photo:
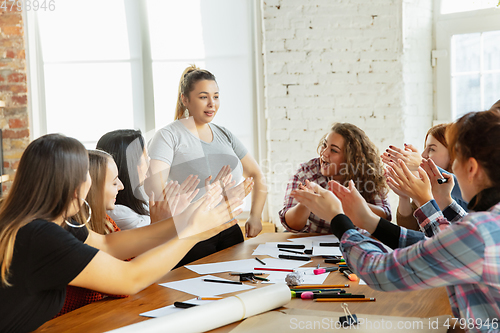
(186, 113)
(88, 218)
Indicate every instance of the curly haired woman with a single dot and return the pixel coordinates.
(345, 153)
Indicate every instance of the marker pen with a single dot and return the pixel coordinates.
(325, 270)
(350, 275)
(442, 180)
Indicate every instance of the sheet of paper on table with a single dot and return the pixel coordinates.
(243, 266)
(224, 266)
(326, 250)
(196, 286)
(308, 241)
(306, 273)
(166, 310)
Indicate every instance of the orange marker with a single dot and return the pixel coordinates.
(350, 275)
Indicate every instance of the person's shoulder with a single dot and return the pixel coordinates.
(221, 129)
(40, 227)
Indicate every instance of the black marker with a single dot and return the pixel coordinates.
(183, 305)
(291, 251)
(283, 256)
(291, 246)
(222, 281)
(263, 263)
(442, 180)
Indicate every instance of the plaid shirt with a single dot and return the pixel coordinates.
(311, 171)
(463, 256)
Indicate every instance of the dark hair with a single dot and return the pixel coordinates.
(190, 76)
(52, 168)
(126, 146)
(477, 135)
(362, 159)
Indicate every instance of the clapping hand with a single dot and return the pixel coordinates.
(440, 192)
(321, 202)
(409, 155)
(402, 179)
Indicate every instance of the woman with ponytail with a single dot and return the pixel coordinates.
(193, 144)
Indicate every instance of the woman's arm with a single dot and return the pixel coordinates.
(253, 225)
(379, 211)
(106, 273)
(296, 217)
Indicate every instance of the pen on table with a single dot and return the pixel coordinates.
(372, 299)
(442, 180)
(222, 281)
(291, 246)
(329, 244)
(260, 278)
(324, 270)
(333, 261)
(263, 263)
(209, 298)
(320, 286)
(284, 256)
(183, 305)
(350, 275)
(239, 274)
(273, 269)
(291, 251)
(311, 295)
(342, 291)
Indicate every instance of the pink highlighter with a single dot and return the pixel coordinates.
(325, 270)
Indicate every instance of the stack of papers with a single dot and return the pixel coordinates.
(196, 286)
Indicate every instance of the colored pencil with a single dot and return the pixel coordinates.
(372, 299)
(320, 286)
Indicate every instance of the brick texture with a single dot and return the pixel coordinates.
(326, 61)
(13, 90)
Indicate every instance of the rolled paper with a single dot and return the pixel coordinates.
(210, 316)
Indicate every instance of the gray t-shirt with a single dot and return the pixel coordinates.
(187, 155)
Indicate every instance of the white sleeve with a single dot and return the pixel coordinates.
(125, 218)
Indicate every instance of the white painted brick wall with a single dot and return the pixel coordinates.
(357, 61)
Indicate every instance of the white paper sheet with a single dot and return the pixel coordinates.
(166, 310)
(307, 241)
(216, 314)
(224, 266)
(278, 263)
(326, 251)
(196, 286)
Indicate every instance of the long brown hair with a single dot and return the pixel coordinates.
(438, 132)
(190, 76)
(477, 135)
(98, 165)
(51, 170)
(362, 161)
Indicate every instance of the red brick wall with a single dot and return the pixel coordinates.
(13, 90)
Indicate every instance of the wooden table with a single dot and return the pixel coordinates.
(114, 313)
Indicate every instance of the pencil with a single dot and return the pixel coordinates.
(273, 269)
(372, 299)
(209, 298)
(320, 286)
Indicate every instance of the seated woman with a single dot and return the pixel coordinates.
(435, 148)
(42, 250)
(131, 210)
(345, 153)
(463, 256)
(101, 197)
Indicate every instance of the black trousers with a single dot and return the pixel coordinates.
(219, 242)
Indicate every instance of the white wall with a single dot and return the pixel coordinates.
(357, 61)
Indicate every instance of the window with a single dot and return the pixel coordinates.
(468, 67)
(116, 64)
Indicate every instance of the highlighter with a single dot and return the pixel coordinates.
(350, 275)
(325, 270)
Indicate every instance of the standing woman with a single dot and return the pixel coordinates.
(345, 153)
(42, 250)
(193, 144)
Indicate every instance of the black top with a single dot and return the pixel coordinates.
(46, 258)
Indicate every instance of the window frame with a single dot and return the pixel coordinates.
(445, 26)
